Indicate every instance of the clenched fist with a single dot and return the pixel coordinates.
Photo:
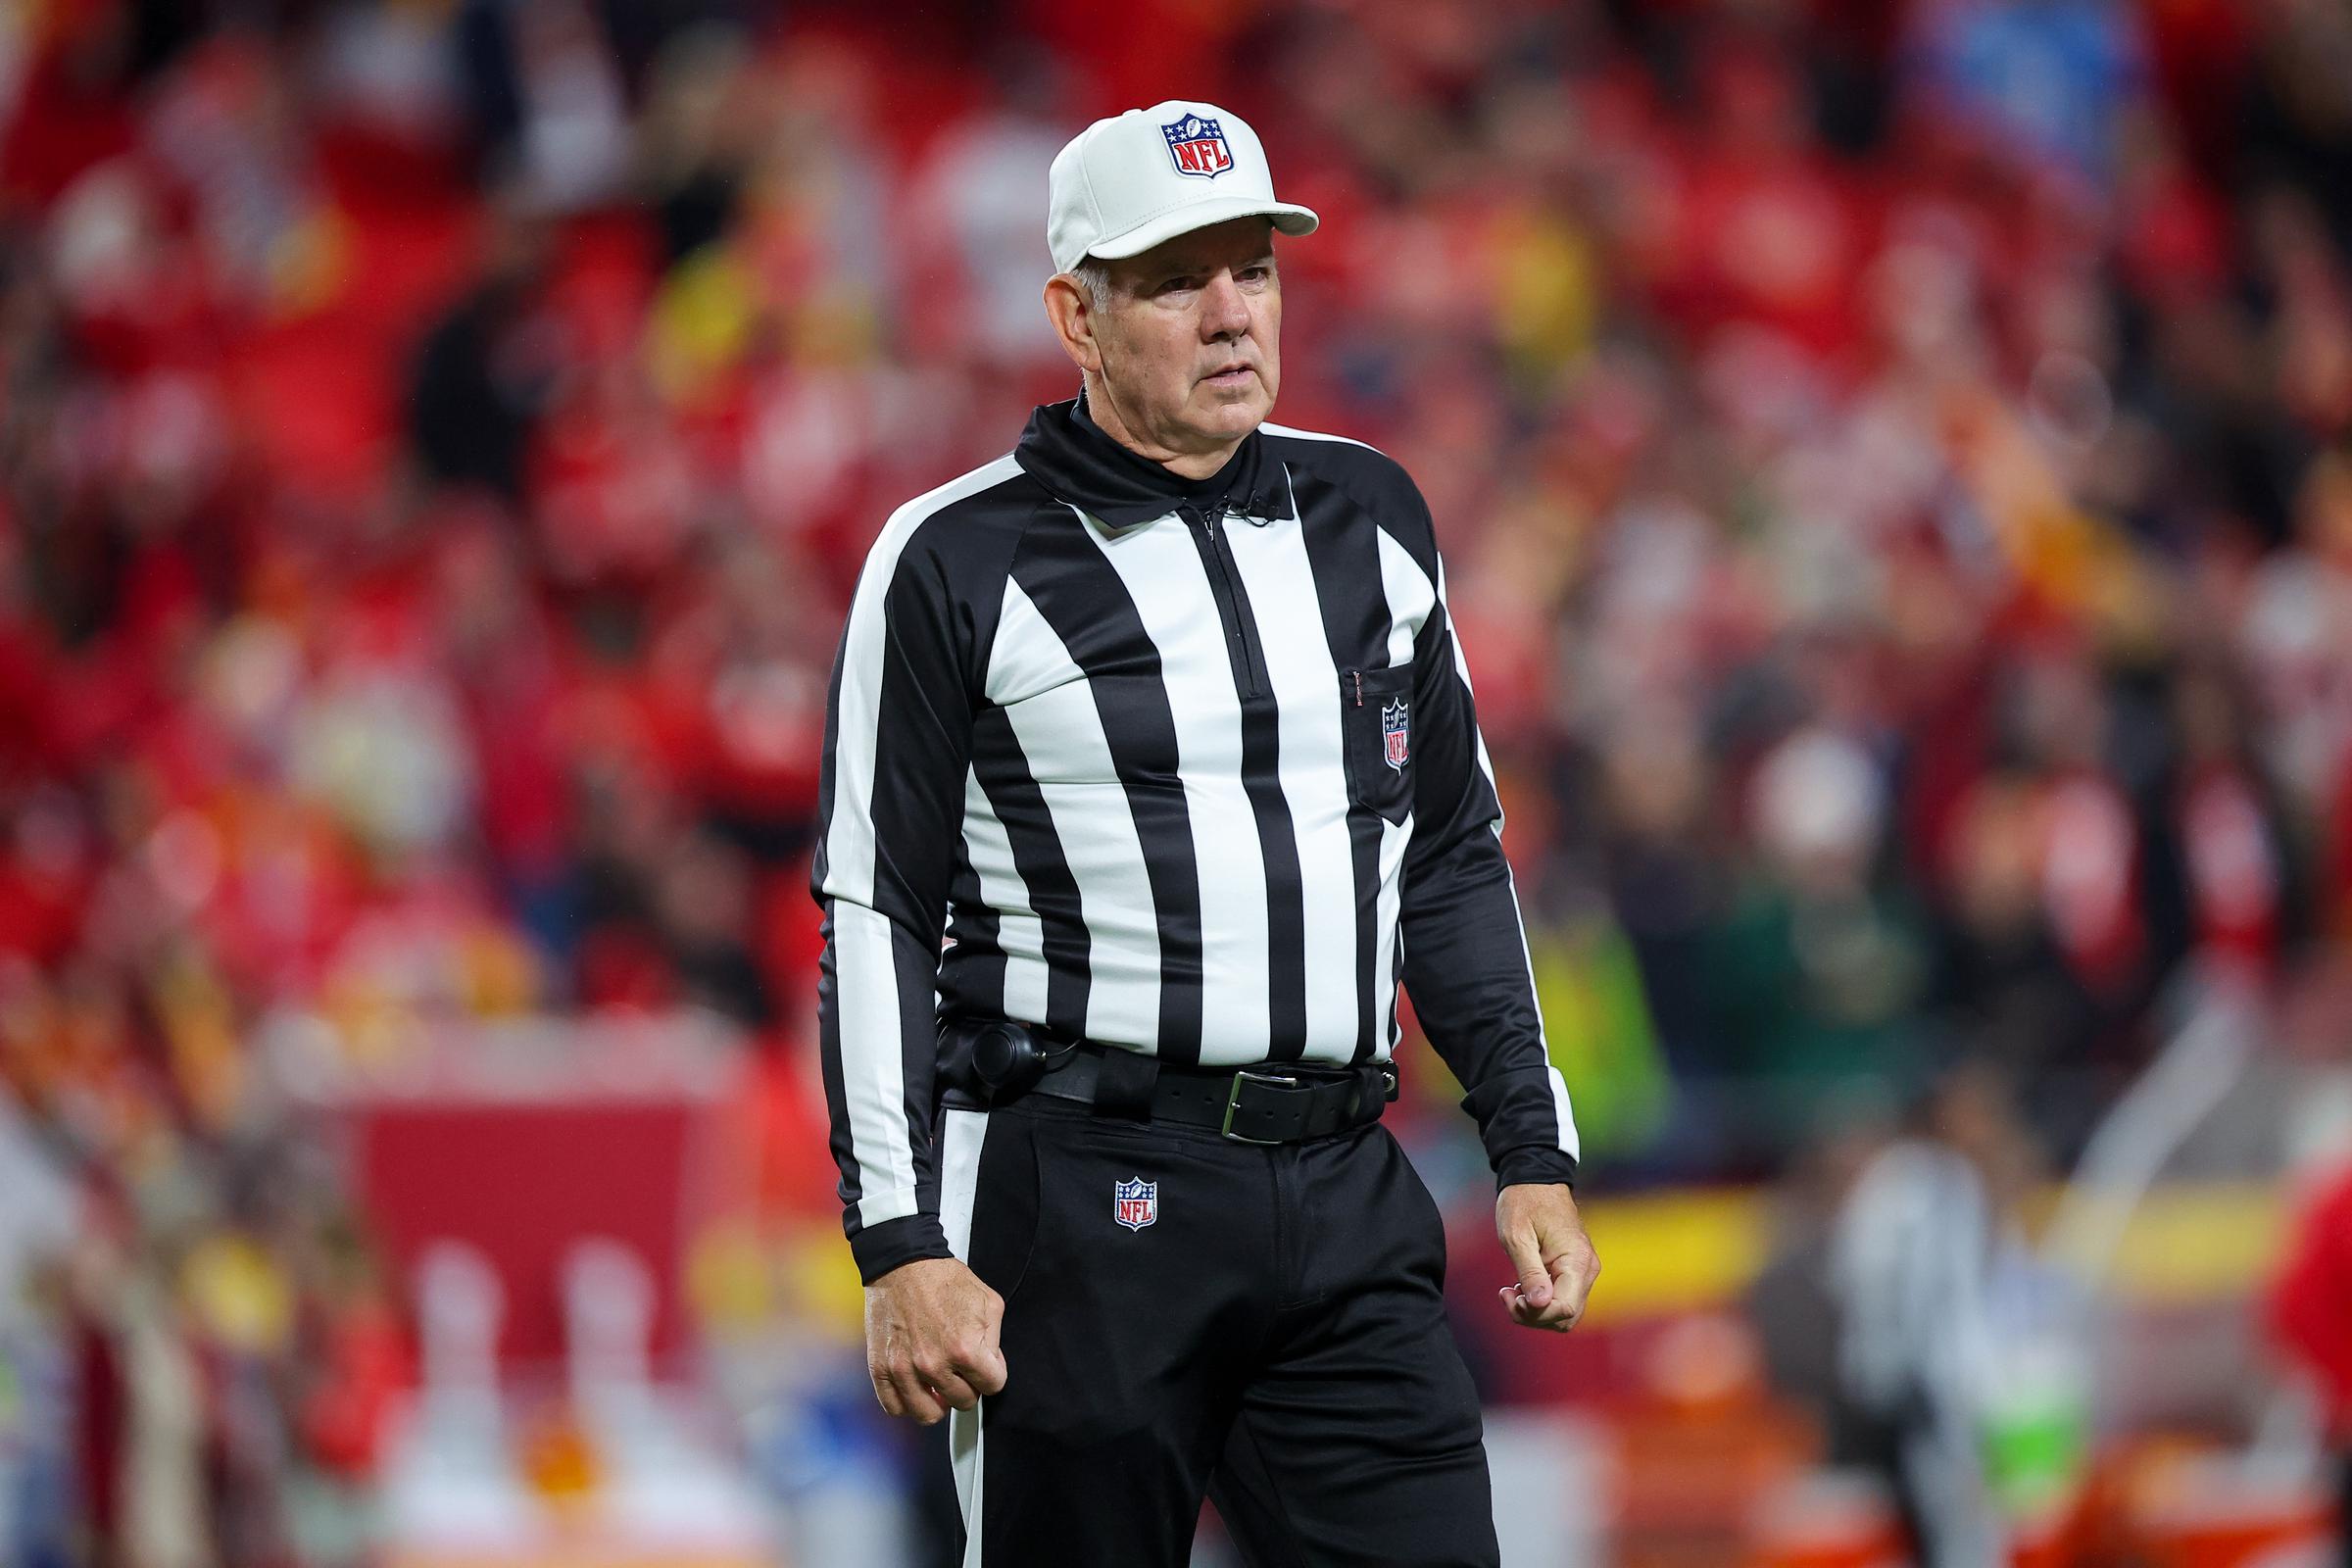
(931, 1339)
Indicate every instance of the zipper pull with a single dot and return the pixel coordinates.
(1359, 686)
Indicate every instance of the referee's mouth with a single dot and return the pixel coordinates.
(1231, 375)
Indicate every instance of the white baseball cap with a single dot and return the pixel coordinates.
(1126, 183)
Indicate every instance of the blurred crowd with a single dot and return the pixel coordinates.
(1895, 462)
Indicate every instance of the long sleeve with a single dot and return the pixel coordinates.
(1466, 963)
(898, 737)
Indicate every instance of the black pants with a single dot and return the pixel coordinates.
(1261, 1324)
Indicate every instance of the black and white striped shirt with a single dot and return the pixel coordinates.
(1186, 766)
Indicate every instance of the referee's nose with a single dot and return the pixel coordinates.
(1224, 308)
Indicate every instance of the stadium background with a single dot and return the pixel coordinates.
(1893, 461)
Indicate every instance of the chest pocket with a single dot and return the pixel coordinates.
(1376, 725)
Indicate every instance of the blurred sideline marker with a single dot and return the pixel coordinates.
(665, 1486)
(452, 1479)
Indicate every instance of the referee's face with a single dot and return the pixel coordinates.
(1187, 350)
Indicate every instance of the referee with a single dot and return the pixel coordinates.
(1151, 773)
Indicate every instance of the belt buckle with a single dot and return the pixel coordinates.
(1233, 1100)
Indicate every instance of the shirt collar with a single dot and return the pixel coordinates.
(1066, 452)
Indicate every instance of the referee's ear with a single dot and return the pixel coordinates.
(1070, 307)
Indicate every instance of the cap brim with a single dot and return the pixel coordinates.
(1288, 218)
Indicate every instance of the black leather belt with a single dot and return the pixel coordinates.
(1277, 1103)
(1274, 1102)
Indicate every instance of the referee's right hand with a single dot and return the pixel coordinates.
(931, 1339)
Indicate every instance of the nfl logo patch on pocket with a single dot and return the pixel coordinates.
(1393, 735)
(1135, 1204)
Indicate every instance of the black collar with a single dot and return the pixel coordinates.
(1068, 453)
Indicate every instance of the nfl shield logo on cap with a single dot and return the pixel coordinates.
(1197, 145)
(1141, 177)
(1135, 1203)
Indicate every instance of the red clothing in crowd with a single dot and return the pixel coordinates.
(2311, 1304)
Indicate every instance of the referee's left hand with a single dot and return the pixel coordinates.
(1545, 1238)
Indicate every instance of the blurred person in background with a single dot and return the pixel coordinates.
(1792, 1301)
(1819, 969)
(482, 378)
(1937, 1302)
(38, 1224)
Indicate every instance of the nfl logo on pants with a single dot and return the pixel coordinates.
(1135, 1204)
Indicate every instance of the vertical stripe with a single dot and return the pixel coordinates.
(1164, 579)
(971, 972)
(1060, 729)
(967, 1459)
(1019, 932)
(1343, 552)
(1269, 811)
(1409, 594)
(1560, 1107)
(962, 1135)
(828, 782)
(1410, 597)
(873, 1074)
(1462, 669)
(1366, 832)
(1279, 575)
(840, 1140)
(1017, 804)
(1074, 591)
(1389, 972)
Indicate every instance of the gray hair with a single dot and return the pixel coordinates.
(1093, 276)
